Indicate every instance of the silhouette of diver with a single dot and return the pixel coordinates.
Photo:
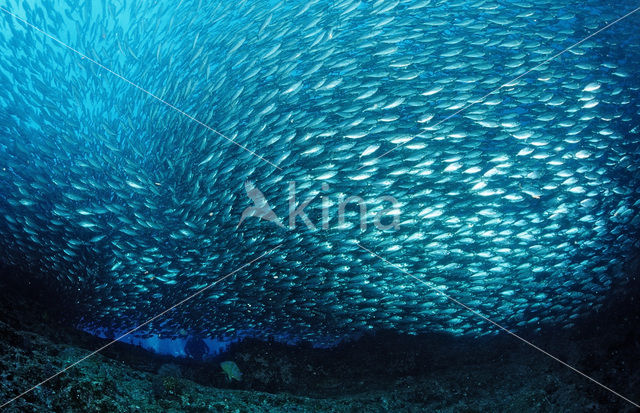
(195, 348)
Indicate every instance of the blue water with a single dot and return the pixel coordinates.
(131, 136)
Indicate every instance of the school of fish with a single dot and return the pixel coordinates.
(505, 170)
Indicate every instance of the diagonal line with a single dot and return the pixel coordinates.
(159, 99)
(437, 290)
(139, 327)
(467, 106)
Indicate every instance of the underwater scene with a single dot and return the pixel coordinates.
(319, 206)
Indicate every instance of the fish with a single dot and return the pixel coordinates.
(445, 142)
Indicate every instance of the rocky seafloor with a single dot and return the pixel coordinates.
(374, 374)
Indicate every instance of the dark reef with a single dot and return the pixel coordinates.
(378, 373)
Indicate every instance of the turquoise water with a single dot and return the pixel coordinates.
(155, 151)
